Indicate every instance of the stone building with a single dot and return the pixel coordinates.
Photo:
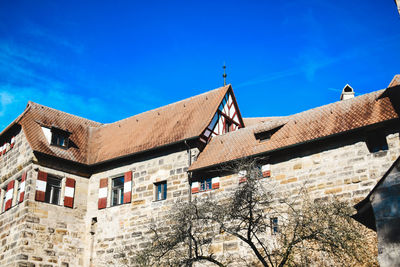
(75, 192)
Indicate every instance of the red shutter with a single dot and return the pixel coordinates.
(41, 186)
(215, 182)
(22, 188)
(242, 176)
(266, 170)
(103, 188)
(9, 195)
(12, 142)
(127, 187)
(69, 193)
(195, 187)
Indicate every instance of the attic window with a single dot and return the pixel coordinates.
(59, 137)
(266, 135)
(376, 141)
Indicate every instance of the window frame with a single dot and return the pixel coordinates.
(274, 225)
(3, 205)
(17, 187)
(119, 191)
(205, 185)
(56, 135)
(159, 196)
(52, 184)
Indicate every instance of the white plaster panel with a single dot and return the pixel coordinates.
(69, 191)
(103, 192)
(41, 185)
(47, 134)
(128, 186)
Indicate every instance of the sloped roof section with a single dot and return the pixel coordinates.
(306, 126)
(165, 125)
(395, 81)
(35, 116)
(256, 120)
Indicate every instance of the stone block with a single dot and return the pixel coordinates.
(333, 190)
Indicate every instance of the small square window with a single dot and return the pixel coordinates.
(161, 190)
(59, 137)
(205, 184)
(53, 191)
(117, 191)
(274, 226)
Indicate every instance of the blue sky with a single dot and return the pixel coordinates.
(107, 60)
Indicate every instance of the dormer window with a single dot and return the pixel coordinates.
(266, 135)
(56, 136)
(59, 137)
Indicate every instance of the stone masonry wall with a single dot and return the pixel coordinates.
(13, 164)
(386, 205)
(53, 235)
(122, 229)
(349, 172)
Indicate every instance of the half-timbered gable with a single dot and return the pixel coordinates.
(226, 119)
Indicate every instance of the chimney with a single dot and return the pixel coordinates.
(347, 92)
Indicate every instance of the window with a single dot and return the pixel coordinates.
(228, 125)
(59, 137)
(18, 190)
(205, 184)
(117, 191)
(376, 141)
(53, 191)
(161, 190)
(3, 208)
(274, 226)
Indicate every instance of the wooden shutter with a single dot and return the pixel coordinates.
(242, 176)
(195, 187)
(22, 188)
(12, 142)
(69, 192)
(103, 188)
(127, 187)
(266, 170)
(215, 183)
(9, 195)
(41, 183)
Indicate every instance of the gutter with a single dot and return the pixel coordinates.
(143, 151)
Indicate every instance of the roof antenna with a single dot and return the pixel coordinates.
(224, 75)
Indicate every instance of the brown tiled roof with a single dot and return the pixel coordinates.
(165, 125)
(93, 142)
(309, 125)
(251, 121)
(395, 81)
(36, 115)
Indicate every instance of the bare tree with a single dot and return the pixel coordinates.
(276, 230)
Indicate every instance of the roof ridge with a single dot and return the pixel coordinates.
(339, 102)
(34, 104)
(168, 105)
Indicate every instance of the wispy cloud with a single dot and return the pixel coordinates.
(312, 60)
(40, 32)
(29, 72)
